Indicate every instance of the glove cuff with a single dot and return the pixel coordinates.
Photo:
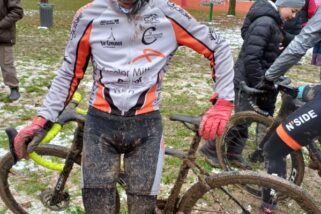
(300, 91)
(214, 98)
(42, 122)
(224, 102)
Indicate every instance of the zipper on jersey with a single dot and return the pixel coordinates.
(130, 71)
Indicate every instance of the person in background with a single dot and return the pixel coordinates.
(293, 27)
(262, 35)
(313, 5)
(129, 44)
(291, 135)
(10, 13)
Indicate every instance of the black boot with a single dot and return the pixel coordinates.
(14, 94)
(209, 151)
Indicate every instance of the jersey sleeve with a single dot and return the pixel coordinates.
(205, 41)
(76, 57)
(308, 37)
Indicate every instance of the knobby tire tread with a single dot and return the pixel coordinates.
(288, 189)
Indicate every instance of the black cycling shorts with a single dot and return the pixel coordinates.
(138, 138)
(302, 126)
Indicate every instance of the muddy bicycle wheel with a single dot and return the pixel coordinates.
(314, 149)
(245, 134)
(26, 187)
(224, 194)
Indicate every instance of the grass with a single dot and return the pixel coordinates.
(59, 5)
(39, 54)
(186, 89)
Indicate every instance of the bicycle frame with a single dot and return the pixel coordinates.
(188, 163)
(73, 113)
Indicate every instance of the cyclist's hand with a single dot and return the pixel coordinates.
(215, 119)
(29, 137)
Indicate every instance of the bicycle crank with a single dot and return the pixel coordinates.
(57, 203)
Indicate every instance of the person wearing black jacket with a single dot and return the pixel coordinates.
(293, 27)
(10, 13)
(262, 35)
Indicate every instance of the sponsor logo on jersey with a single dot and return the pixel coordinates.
(109, 22)
(151, 19)
(111, 41)
(150, 36)
(148, 55)
(136, 81)
(179, 9)
(300, 120)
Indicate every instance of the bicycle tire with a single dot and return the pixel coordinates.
(314, 149)
(295, 197)
(11, 193)
(295, 172)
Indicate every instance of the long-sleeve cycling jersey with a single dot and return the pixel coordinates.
(309, 36)
(129, 54)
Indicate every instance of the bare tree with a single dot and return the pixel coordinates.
(231, 8)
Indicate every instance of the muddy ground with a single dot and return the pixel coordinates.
(186, 89)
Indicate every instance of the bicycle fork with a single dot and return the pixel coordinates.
(58, 195)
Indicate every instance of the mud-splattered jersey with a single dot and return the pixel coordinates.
(129, 56)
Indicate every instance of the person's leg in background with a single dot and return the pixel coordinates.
(298, 130)
(9, 73)
(316, 56)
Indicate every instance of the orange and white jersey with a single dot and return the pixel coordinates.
(129, 54)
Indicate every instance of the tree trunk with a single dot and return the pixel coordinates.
(231, 8)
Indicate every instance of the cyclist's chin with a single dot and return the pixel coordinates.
(128, 4)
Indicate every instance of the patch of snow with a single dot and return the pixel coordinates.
(3, 152)
(31, 12)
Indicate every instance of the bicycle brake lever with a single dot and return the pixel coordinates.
(11, 133)
(249, 90)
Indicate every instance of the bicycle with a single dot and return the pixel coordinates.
(231, 192)
(253, 151)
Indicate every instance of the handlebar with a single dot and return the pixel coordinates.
(71, 113)
(249, 90)
(282, 84)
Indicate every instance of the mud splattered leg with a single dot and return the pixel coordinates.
(141, 204)
(99, 201)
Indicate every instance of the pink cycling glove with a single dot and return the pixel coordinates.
(215, 119)
(29, 137)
